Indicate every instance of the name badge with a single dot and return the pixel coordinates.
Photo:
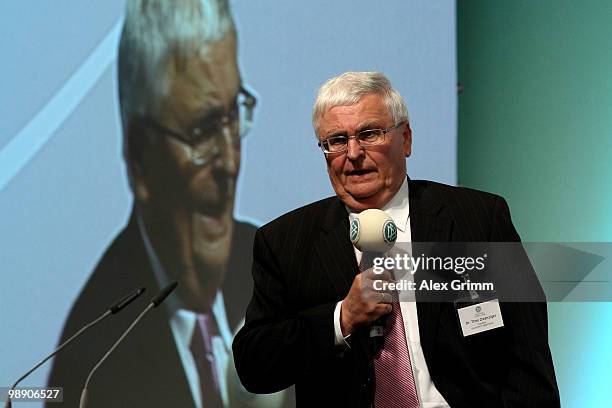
(480, 317)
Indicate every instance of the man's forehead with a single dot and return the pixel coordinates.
(367, 103)
(369, 109)
(203, 81)
(207, 65)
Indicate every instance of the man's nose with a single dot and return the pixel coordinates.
(229, 152)
(354, 149)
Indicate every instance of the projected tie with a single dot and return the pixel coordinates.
(201, 348)
(394, 384)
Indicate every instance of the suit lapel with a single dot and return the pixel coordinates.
(334, 248)
(161, 358)
(237, 286)
(427, 224)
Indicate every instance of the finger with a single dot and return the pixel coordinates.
(387, 276)
(382, 309)
(372, 294)
(371, 275)
(386, 297)
(378, 283)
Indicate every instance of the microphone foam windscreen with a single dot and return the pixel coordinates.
(373, 230)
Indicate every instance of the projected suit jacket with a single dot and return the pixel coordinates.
(304, 263)
(145, 370)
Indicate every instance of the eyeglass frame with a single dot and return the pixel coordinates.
(356, 137)
(226, 122)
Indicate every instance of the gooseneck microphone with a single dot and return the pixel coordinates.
(122, 303)
(155, 301)
(114, 309)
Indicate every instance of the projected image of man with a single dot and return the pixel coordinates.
(184, 110)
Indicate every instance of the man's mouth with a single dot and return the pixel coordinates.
(212, 194)
(212, 208)
(359, 172)
(214, 219)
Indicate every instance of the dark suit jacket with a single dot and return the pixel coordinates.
(303, 264)
(145, 370)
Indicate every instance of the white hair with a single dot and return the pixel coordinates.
(350, 87)
(155, 32)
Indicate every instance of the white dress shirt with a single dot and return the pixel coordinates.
(429, 397)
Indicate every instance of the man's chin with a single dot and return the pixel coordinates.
(356, 203)
(363, 188)
(363, 200)
(212, 227)
(213, 236)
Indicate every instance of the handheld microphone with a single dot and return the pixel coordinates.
(373, 232)
(114, 309)
(155, 301)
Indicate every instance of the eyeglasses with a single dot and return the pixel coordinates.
(365, 138)
(202, 139)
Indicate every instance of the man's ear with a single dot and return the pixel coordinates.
(138, 181)
(407, 139)
(134, 162)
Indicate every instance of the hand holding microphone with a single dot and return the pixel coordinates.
(363, 305)
(374, 233)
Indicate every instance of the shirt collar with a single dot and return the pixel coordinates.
(185, 321)
(398, 208)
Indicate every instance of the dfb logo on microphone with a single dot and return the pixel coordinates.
(389, 232)
(354, 230)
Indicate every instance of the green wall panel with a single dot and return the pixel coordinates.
(535, 125)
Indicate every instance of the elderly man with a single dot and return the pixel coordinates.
(307, 321)
(184, 111)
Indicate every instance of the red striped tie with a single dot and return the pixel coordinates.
(201, 348)
(394, 382)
